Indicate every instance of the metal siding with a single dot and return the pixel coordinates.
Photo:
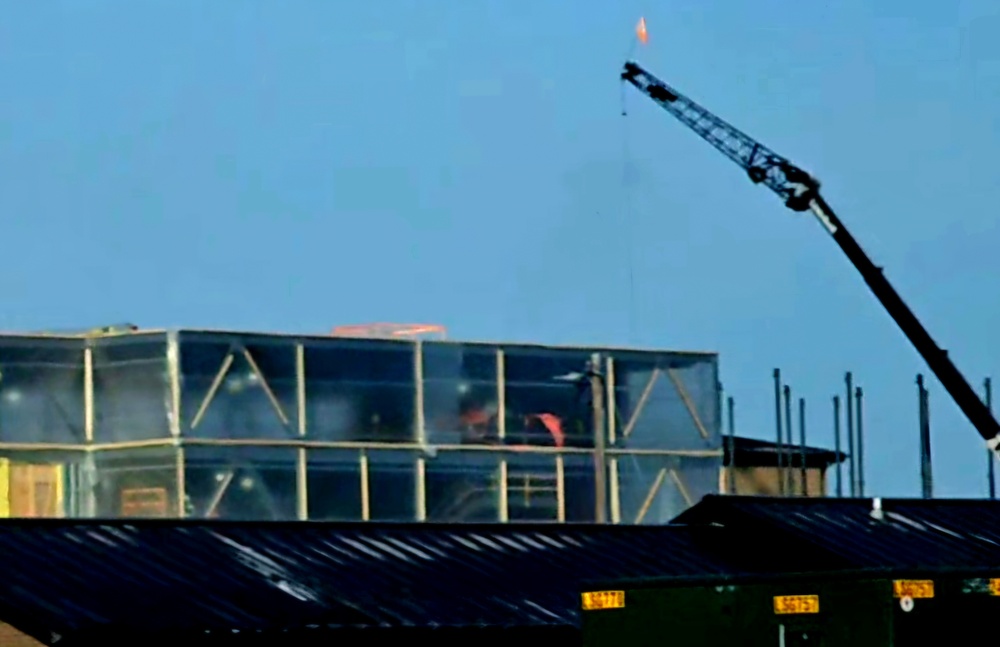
(852, 613)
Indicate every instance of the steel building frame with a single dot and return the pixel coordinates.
(297, 425)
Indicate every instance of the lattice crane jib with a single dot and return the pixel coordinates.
(800, 192)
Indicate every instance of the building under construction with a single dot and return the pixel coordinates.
(363, 424)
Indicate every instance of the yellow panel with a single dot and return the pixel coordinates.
(793, 604)
(913, 588)
(21, 491)
(4, 487)
(36, 490)
(596, 600)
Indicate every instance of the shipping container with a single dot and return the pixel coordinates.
(841, 609)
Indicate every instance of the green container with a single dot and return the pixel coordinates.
(842, 609)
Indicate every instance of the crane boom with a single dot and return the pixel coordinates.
(800, 192)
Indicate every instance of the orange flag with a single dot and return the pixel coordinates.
(640, 31)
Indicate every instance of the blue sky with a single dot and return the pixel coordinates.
(295, 165)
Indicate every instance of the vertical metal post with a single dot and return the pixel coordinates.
(420, 471)
(790, 445)
(302, 460)
(720, 410)
(503, 488)
(300, 389)
(420, 433)
(421, 489)
(174, 386)
(860, 445)
(174, 378)
(926, 477)
(503, 509)
(366, 507)
(849, 417)
(501, 394)
(609, 400)
(803, 472)
(616, 499)
(780, 437)
(88, 394)
(180, 476)
(600, 462)
(789, 490)
(560, 489)
(990, 457)
(836, 444)
(612, 421)
(301, 484)
(89, 491)
(731, 476)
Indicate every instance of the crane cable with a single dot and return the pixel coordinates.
(627, 180)
(628, 213)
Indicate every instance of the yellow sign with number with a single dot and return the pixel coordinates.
(995, 586)
(597, 600)
(791, 604)
(916, 589)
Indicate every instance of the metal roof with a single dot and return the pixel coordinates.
(126, 331)
(754, 452)
(78, 577)
(908, 533)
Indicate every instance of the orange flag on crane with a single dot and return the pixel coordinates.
(640, 31)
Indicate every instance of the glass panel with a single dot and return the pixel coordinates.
(546, 404)
(248, 483)
(334, 484)
(136, 482)
(360, 390)
(463, 486)
(41, 390)
(666, 401)
(131, 388)
(460, 393)
(37, 484)
(532, 483)
(392, 477)
(700, 476)
(252, 370)
(655, 489)
(578, 476)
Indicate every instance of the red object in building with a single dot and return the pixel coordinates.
(476, 417)
(553, 424)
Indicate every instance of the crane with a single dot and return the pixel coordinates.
(800, 192)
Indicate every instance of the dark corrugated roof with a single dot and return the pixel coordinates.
(86, 578)
(912, 533)
(81, 576)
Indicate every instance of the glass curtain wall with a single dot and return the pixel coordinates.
(85, 426)
(244, 426)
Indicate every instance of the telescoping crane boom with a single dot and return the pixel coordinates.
(800, 191)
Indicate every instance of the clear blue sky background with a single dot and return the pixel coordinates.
(295, 165)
